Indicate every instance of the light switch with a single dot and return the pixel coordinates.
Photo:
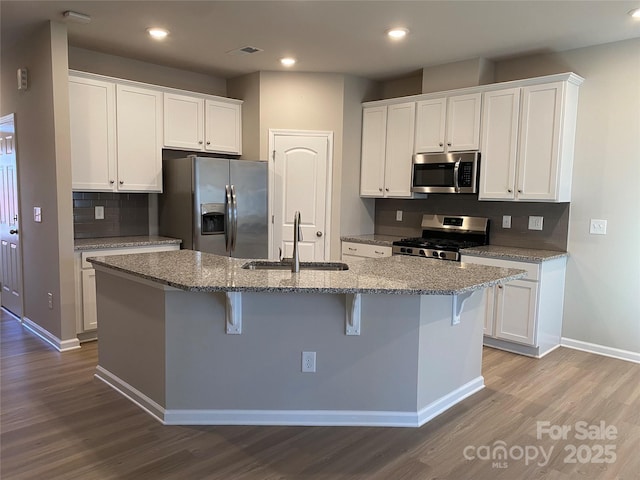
(506, 221)
(398, 215)
(598, 227)
(99, 212)
(37, 214)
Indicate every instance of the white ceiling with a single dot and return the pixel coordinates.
(327, 36)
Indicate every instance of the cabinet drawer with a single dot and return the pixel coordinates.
(365, 250)
(123, 251)
(532, 269)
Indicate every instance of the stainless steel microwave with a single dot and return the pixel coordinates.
(445, 172)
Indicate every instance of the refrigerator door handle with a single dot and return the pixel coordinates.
(234, 206)
(227, 218)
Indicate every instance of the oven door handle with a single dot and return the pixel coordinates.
(456, 172)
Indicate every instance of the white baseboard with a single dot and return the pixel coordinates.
(60, 345)
(601, 350)
(445, 403)
(289, 417)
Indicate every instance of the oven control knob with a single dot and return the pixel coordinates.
(422, 254)
(403, 250)
(434, 254)
(409, 250)
(442, 254)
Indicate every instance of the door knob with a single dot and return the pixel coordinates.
(318, 234)
(13, 231)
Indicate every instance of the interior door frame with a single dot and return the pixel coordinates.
(11, 118)
(273, 133)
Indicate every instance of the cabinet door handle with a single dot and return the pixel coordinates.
(352, 249)
(519, 191)
(386, 189)
(112, 182)
(199, 142)
(380, 188)
(441, 144)
(121, 182)
(378, 252)
(448, 144)
(208, 143)
(500, 287)
(509, 190)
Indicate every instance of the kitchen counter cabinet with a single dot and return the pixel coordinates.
(524, 316)
(354, 251)
(216, 344)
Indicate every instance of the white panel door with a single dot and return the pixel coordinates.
(89, 309)
(92, 117)
(183, 122)
(516, 303)
(139, 133)
(463, 122)
(399, 151)
(10, 251)
(430, 125)
(374, 138)
(538, 154)
(300, 167)
(223, 127)
(499, 145)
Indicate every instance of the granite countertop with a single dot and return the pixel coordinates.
(121, 242)
(513, 253)
(372, 239)
(202, 272)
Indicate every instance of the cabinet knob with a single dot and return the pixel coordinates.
(500, 286)
(386, 189)
(199, 142)
(448, 144)
(519, 191)
(111, 182)
(121, 182)
(441, 144)
(509, 190)
(380, 189)
(208, 143)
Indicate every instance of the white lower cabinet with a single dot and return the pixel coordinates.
(525, 316)
(353, 252)
(85, 282)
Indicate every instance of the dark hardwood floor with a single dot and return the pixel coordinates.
(58, 422)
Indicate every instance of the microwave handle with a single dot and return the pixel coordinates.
(456, 172)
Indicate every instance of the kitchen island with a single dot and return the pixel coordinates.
(194, 338)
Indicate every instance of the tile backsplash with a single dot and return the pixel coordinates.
(124, 214)
(553, 235)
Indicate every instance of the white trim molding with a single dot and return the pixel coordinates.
(60, 345)
(309, 418)
(603, 350)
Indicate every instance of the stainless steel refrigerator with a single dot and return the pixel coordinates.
(215, 205)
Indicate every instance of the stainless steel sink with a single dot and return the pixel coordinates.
(270, 265)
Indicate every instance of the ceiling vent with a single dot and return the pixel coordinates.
(248, 50)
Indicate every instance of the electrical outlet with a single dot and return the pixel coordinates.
(535, 223)
(37, 214)
(50, 300)
(598, 227)
(99, 212)
(309, 362)
(506, 221)
(398, 215)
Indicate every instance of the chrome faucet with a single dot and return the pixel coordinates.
(297, 236)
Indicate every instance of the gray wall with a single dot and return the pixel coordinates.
(129, 69)
(602, 305)
(466, 73)
(44, 169)
(247, 88)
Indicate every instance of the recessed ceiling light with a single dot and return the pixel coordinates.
(397, 33)
(635, 13)
(288, 61)
(157, 33)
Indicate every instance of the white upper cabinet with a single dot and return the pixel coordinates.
(92, 115)
(139, 134)
(448, 124)
(387, 149)
(183, 121)
(201, 124)
(501, 110)
(116, 136)
(527, 143)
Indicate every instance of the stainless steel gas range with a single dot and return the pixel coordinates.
(444, 236)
